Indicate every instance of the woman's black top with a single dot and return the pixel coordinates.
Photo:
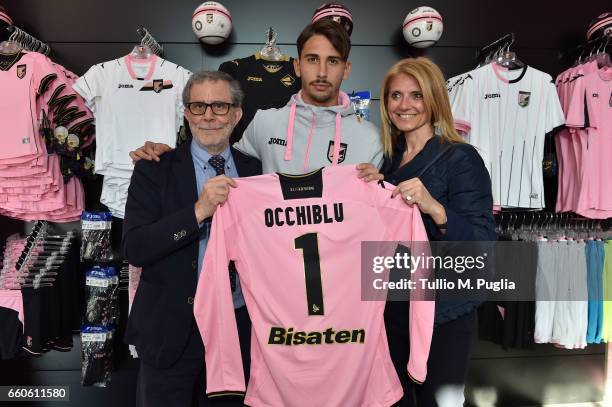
(459, 180)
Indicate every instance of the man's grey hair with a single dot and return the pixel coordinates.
(214, 76)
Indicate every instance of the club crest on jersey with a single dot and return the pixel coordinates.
(21, 71)
(341, 154)
(158, 85)
(523, 98)
(272, 68)
(209, 18)
(288, 80)
(429, 25)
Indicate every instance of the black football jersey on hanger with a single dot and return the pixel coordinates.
(266, 84)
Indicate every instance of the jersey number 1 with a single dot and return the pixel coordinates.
(312, 269)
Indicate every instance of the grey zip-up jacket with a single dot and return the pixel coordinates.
(300, 137)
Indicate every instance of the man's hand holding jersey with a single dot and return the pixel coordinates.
(214, 192)
(217, 189)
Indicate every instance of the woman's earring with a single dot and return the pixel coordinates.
(437, 130)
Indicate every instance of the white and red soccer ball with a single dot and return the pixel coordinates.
(211, 23)
(336, 12)
(422, 27)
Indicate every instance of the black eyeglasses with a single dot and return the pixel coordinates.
(218, 108)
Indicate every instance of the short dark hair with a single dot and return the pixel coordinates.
(334, 32)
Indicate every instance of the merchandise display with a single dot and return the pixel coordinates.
(47, 130)
(570, 277)
(583, 147)
(139, 97)
(38, 280)
(226, 287)
(96, 356)
(506, 115)
(101, 309)
(96, 239)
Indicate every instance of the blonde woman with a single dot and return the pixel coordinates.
(445, 177)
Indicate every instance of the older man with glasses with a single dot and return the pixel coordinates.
(167, 222)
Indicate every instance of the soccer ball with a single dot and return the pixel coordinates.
(335, 12)
(422, 27)
(602, 25)
(211, 23)
(5, 22)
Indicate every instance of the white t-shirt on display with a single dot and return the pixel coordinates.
(506, 115)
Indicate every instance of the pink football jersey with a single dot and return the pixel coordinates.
(24, 80)
(591, 108)
(296, 243)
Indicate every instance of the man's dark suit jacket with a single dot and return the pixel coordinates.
(160, 234)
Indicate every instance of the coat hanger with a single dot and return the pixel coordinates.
(149, 41)
(579, 59)
(592, 49)
(141, 51)
(508, 59)
(10, 46)
(603, 57)
(19, 40)
(270, 51)
(485, 54)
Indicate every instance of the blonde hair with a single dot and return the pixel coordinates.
(435, 97)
